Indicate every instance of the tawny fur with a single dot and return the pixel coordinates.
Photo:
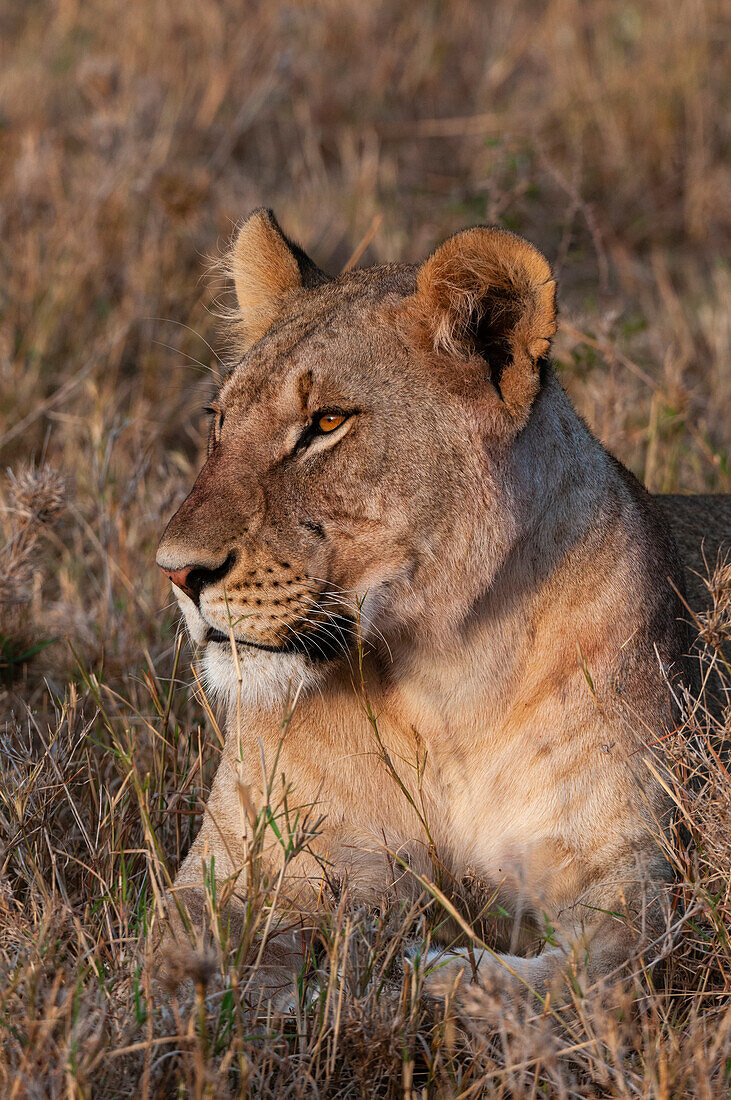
(515, 591)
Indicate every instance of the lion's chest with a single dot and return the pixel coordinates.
(391, 790)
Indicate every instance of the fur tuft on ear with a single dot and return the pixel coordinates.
(489, 292)
(266, 268)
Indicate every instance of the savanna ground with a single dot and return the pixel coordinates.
(132, 137)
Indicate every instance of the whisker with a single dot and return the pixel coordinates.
(335, 587)
(206, 367)
(331, 618)
(165, 607)
(336, 634)
(172, 321)
(296, 633)
(352, 608)
(332, 597)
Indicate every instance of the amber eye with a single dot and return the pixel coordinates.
(328, 422)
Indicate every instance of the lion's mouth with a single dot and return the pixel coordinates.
(330, 639)
(220, 638)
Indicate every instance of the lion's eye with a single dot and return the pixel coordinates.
(328, 422)
(323, 422)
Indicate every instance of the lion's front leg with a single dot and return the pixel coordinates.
(604, 935)
(268, 950)
(231, 901)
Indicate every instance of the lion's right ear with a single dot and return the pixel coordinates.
(267, 267)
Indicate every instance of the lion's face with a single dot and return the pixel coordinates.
(349, 488)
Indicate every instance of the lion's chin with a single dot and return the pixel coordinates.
(259, 680)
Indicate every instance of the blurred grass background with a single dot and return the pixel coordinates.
(132, 138)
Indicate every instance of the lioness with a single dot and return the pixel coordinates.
(393, 464)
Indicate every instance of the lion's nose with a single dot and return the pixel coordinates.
(192, 579)
(179, 577)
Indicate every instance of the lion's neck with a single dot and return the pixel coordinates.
(559, 481)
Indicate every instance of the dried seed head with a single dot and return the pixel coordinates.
(715, 623)
(182, 961)
(37, 494)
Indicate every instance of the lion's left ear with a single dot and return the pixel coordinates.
(267, 267)
(488, 292)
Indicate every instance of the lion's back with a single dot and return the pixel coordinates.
(701, 526)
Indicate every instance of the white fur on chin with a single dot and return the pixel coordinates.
(267, 679)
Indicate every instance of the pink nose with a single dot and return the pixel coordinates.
(179, 578)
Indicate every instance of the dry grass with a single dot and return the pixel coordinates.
(132, 137)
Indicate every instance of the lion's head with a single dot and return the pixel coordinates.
(358, 471)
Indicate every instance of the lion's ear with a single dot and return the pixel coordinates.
(266, 267)
(488, 292)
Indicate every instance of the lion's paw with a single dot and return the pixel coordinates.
(443, 971)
